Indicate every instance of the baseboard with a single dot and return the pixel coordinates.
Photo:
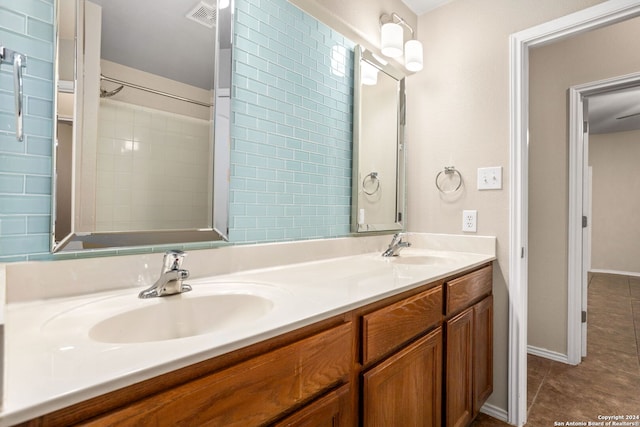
(495, 412)
(620, 273)
(548, 354)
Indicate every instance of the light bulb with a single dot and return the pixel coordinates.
(413, 55)
(391, 39)
(223, 4)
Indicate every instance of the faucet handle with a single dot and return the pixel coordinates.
(397, 238)
(172, 260)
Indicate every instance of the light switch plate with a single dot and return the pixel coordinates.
(490, 178)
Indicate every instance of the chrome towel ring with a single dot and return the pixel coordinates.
(449, 171)
(373, 177)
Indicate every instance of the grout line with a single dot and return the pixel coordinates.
(535, 396)
(636, 328)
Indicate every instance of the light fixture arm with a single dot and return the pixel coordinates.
(396, 19)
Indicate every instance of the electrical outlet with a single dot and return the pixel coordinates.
(469, 221)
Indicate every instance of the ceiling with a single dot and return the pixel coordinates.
(616, 111)
(155, 36)
(421, 6)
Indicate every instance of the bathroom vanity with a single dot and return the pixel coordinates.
(388, 357)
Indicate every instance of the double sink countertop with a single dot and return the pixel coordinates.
(64, 350)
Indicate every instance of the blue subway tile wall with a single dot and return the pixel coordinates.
(26, 26)
(291, 129)
(292, 103)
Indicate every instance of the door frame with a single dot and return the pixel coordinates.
(579, 190)
(600, 15)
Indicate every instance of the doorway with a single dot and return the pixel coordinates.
(601, 15)
(580, 191)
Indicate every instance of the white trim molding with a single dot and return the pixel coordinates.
(495, 412)
(600, 15)
(574, 261)
(618, 272)
(548, 354)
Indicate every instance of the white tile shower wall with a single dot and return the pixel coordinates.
(25, 166)
(152, 169)
(291, 125)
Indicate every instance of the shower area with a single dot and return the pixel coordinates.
(134, 134)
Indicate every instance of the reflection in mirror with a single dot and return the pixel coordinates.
(378, 155)
(135, 160)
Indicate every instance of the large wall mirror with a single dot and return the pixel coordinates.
(378, 146)
(135, 162)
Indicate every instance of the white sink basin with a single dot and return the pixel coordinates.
(210, 308)
(179, 316)
(420, 257)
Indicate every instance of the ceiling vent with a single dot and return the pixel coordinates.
(203, 14)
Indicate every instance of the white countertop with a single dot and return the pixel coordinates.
(51, 362)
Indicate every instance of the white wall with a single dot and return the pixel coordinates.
(458, 114)
(616, 201)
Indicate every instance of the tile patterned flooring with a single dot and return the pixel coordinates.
(607, 382)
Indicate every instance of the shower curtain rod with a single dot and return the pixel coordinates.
(157, 92)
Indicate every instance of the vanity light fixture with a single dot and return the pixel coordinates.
(392, 40)
(223, 4)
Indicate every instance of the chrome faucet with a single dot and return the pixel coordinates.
(171, 277)
(396, 245)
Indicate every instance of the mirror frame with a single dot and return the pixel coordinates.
(219, 229)
(362, 54)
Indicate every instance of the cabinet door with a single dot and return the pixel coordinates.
(406, 389)
(459, 370)
(331, 410)
(482, 352)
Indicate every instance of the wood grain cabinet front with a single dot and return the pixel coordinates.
(250, 393)
(406, 388)
(465, 290)
(390, 327)
(468, 363)
(332, 410)
(482, 352)
(459, 370)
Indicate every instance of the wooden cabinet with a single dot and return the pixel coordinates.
(482, 352)
(406, 388)
(332, 410)
(388, 328)
(459, 370)
(396, 362)
(469, 346)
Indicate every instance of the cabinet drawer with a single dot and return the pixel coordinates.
(461, 292)
(250, 393)
(388, 328)
(331, 410)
